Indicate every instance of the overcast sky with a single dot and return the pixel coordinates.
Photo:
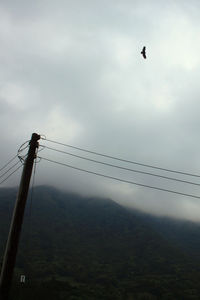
(72, 71)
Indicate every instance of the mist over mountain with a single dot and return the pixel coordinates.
(75, 247)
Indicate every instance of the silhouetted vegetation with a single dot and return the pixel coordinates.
(74, 247)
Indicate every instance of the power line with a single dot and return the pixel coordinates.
(124, 160)
(121, 180)
(10, 174)
(9, 169)
(29, 229)
(8, 163)
(23, 146)
(17, 155)
(122, 168)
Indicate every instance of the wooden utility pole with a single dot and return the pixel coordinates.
(17, 220)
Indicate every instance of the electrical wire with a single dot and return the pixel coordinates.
(24, 146)
(8, 163)
(123, 168)
(124, 160)
(10, 174)
(9, 169)
(121, 180)
(33, 183)
(21, 148)
(21, 159)
(29, 227)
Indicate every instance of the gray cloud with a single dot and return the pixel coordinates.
(73, 71)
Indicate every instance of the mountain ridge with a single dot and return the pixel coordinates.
(93, 243)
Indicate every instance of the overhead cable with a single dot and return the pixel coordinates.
(121, 180)
(8, 163)
(10, 169)
(23, 146)
(122, 168)
(124, 160)
(10, 174)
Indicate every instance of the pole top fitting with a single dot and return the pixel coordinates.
(35, 137)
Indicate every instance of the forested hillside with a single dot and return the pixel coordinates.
(75, 247)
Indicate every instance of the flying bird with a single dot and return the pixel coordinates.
(144, 52)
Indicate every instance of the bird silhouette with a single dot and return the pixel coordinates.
(144, 52)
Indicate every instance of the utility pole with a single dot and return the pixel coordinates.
(17, 220)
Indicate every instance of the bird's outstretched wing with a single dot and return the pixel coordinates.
(144, 52)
